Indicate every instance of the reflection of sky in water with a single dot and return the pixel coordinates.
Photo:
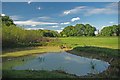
(64, 61)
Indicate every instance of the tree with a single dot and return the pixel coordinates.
(110, 31)
(78, 30)
(89, 30)
(68, 31)
(7, 21)
(50, 33)
(15, 36)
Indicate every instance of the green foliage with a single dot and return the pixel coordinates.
(110, 31)
(6, 20)
(78, 30)
(68, 31)
(50, 33)
(15, 36)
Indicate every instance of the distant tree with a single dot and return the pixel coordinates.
(78, 30)
(50, 33)
(68, 31)
(89, 30)
(7, 21)
(110, 31)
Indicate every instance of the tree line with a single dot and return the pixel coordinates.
(13, 35)
(88, 30)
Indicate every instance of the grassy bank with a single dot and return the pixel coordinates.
(28, 51)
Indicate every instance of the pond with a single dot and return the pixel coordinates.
(66, 62)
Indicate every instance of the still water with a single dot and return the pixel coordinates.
(64, 61)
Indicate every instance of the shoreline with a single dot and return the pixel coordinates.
(113, 67)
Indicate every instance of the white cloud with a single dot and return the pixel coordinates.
(62, 28)
(65, 23)
(111, 22)
(54, 26)
(34, 28)
(59, 31)
(111, 8)
(44, 17)
(74, 10)
(15, 17)
(66, 12)
(75, 19)
(2, 14)
(30, 22)
(33, 25)
(108, 9)
(40, 18)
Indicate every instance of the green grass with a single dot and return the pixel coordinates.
(98, 51)
(108, 42)
(26, 74)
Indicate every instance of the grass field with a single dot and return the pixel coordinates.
(107, 42)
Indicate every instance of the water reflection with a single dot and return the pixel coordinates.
(66, 62)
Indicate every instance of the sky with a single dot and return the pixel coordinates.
(58, 15)
(61, 0)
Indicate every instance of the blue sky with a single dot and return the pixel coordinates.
(57, 15)
(61, 0)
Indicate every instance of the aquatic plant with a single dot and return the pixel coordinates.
(41, 59)
(93, 65)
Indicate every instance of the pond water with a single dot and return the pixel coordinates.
(64, 61)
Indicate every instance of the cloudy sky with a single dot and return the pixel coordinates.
(57, 15)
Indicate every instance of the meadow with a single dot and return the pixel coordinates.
(107, 42)
(69, 43)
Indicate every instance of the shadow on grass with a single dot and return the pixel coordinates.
(98, 50)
